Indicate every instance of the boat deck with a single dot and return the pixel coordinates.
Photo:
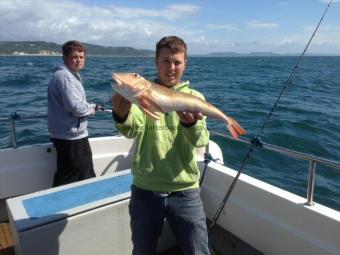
(6, 240)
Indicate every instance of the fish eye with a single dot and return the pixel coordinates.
(136, 75)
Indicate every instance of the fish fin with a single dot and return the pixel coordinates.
(150, 107)
(234, 128)
(152, 115)
(147, 102)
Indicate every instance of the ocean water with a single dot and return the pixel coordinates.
(307, 118)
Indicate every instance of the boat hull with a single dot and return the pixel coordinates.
(268, 218)
(258, 219)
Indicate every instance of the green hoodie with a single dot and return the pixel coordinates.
(165, 154)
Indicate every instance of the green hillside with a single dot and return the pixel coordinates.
(53, 49)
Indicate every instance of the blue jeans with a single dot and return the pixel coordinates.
(184, 212)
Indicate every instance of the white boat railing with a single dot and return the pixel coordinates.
(313, 160)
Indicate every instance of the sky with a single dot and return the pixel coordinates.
(243, 26)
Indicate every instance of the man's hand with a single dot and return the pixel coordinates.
(190, 118)
(120, 106)
(97, 107)
(94, 108)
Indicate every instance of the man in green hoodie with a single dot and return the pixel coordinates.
(165, 172)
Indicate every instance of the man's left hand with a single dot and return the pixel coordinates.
(190, 118)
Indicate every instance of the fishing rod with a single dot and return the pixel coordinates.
(101, 109)
(256, 140)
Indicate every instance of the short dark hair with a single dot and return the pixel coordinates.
(173, 43)
(70, 46)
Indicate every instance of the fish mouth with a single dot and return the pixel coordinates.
(116, 79)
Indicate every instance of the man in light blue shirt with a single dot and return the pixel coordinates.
(67, 117)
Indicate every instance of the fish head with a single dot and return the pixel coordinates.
(129, 84)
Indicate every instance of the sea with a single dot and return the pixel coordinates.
(306, 118)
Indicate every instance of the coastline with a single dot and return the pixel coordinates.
(147, 56)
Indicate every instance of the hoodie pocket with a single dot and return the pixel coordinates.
(79, 126)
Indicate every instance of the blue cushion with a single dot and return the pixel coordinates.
(62, 200)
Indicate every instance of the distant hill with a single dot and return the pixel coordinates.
(224, 54)
(260, 54)
(41, 48)
(235, 54)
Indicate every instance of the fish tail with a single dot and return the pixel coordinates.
(234, 128)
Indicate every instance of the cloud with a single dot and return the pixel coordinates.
(118, 25)
(327, 36)
(226, 27)
(58, 21)
(180, 10)
(171, 12)
(258, 24)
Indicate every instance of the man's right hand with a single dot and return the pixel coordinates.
(120, 106)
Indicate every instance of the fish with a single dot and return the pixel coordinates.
(155, 99)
